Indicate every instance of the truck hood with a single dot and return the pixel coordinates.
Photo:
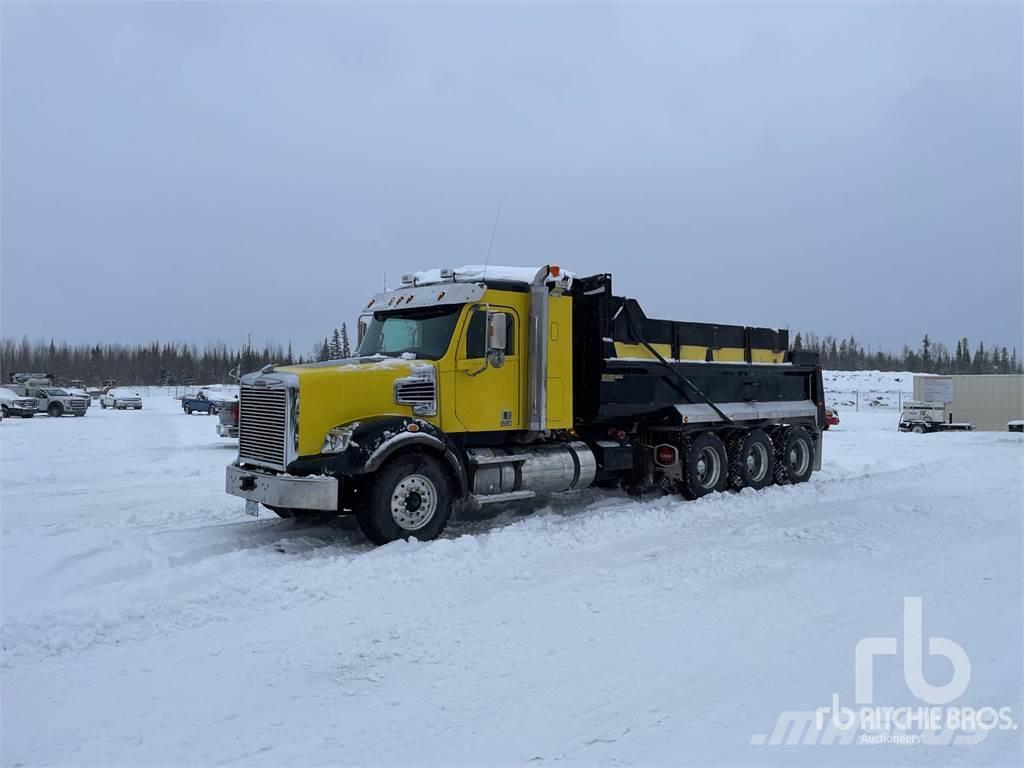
(341, 392)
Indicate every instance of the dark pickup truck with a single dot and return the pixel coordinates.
(200, 403)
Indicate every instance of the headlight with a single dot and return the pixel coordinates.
(338, 439)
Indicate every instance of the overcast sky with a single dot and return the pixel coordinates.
(198, 171)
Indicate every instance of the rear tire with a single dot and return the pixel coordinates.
(751, 460)
(103, 405)
(705, 466)
(794, 455)
(918, 430)
(188, 409)
(410, 498)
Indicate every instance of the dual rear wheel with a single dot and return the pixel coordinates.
(752, 459)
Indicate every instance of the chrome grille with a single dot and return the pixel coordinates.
(263, 426)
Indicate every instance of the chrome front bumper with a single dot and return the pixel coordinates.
(282, 490)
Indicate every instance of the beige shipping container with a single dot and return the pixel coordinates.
(987, 401)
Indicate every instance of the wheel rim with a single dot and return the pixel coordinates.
(709, 468)
(413, 502)
(757, 462)
(799, 457)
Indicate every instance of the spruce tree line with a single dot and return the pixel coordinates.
(929, 357)
(166, 364)
(174, 363)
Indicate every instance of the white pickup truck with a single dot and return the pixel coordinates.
(51, 399)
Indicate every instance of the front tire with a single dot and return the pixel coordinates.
(6, 412)
(188, 410)
(103, 405)
(55, 410)
(410, 498)
(705, 466)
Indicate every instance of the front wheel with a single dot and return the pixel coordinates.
(410, 498)
(55, 410)
(918, 429)
(103, 405)
(6, 412)
(188, 409)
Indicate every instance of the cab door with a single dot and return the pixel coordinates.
(487, 392)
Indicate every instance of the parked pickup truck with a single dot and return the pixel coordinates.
(200, 403)
(13, 404)
(472, 389)
(121, 400)
(228, 416)
(54, 400)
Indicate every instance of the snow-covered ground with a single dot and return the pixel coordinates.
(867, 390)
(147, 621)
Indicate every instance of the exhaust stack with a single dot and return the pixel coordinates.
(537, 346)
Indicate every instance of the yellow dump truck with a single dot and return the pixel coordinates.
(477, 386)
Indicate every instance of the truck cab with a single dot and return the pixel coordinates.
(477, 386)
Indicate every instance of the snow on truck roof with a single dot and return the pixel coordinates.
(478, 273)
(462, 285)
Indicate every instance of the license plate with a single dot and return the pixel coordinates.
(252, 508)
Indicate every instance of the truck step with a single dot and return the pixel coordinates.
(494, 498)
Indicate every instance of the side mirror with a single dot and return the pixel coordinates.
(497, 336)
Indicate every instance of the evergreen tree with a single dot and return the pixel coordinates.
(346, 350)
(335, 345)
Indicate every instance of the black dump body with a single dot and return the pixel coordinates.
(610, 388)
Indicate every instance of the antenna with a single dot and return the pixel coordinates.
(490, 245)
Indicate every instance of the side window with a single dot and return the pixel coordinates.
(476, 335)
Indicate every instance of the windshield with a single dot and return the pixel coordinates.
(422, 332)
